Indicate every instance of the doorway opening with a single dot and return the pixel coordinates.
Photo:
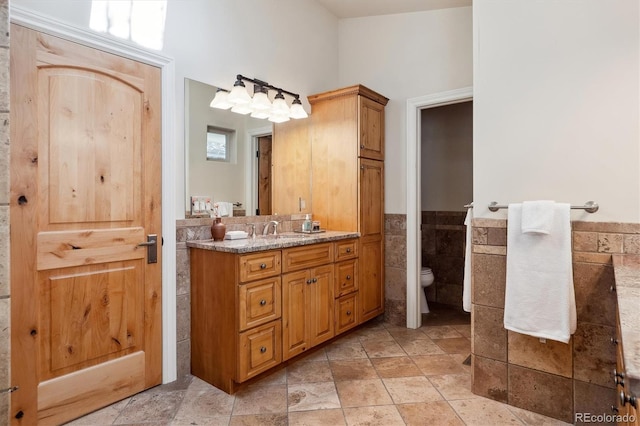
(414, 192)
(446, 164)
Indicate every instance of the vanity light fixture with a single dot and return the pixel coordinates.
(259, 105)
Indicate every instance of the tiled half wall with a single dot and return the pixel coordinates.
(552, 378)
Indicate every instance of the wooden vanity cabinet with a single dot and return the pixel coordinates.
(251, 312)
(236, 326)
(347, 143)
(307, 297)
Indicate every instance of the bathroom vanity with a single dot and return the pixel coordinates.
(256, 303)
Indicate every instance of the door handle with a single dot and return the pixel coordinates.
(152, 248)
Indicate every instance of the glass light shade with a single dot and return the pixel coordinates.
(220, 100)
(260, 102)
(241, 109)
(297, 111)
(278, 118)
(280, 105)
(260, 114)
(239, 95)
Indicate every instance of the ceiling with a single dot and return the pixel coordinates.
(360, 8)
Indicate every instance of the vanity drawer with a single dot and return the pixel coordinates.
(259, 265)
(346, 277)
(259, 302)
(296, 258)
(346, 312)
(260, 349)
(347, 249)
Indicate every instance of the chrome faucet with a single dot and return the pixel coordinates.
(265, 231)
(253, 230)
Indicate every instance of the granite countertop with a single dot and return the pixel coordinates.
(271, 242)
(627, 274)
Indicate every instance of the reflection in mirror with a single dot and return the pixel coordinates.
(221, 162)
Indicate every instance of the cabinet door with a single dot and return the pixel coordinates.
(291, 170)
(371, 135)
(371, 198)
(371, 280)
(320, 303)
(295, 315)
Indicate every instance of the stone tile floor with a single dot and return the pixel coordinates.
(380, 374)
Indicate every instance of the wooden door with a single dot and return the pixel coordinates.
(85, 192)
(264, 175)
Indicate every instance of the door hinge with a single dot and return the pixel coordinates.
(9, 390)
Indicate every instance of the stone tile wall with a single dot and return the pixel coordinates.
(4, 213)
(443, 240)
(395, 264)
(552, 378)
(200, 229)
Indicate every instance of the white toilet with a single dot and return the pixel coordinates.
(426, 279)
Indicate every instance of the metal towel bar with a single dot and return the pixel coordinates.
(589, 206)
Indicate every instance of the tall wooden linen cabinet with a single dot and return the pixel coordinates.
(347, 162)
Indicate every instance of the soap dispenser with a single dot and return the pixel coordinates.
(306, 225)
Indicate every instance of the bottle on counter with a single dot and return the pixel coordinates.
(306, 225)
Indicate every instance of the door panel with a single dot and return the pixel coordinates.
(85, 188)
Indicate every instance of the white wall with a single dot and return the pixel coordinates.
(447, 157)
(405, 56)
(556, 105)
(289, 43)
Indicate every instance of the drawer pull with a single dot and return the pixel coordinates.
(315, 280)
(614, 341)
(309, 281)
(612, 289)
(348, 249)
(263, 266)
(348, 312)
(263, 302)
(348, 277)
(618, 381)
(263, 350)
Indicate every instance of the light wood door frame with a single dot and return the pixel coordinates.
(29, 19)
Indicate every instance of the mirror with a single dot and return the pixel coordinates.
(236, 159)
(221, 162)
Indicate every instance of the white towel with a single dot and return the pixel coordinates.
(225, 209)
(539, 297)
(466, 283)
(537, 216)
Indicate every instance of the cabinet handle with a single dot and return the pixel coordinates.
(348, 249)
(348, 312)
(263, 350)
(616, 374)
(618, 381)
(309, 281)
(614, 341)
(263, 266)
(612, 289)
(361, 146)
(348, 277)
(263, 302)
(315, 280)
